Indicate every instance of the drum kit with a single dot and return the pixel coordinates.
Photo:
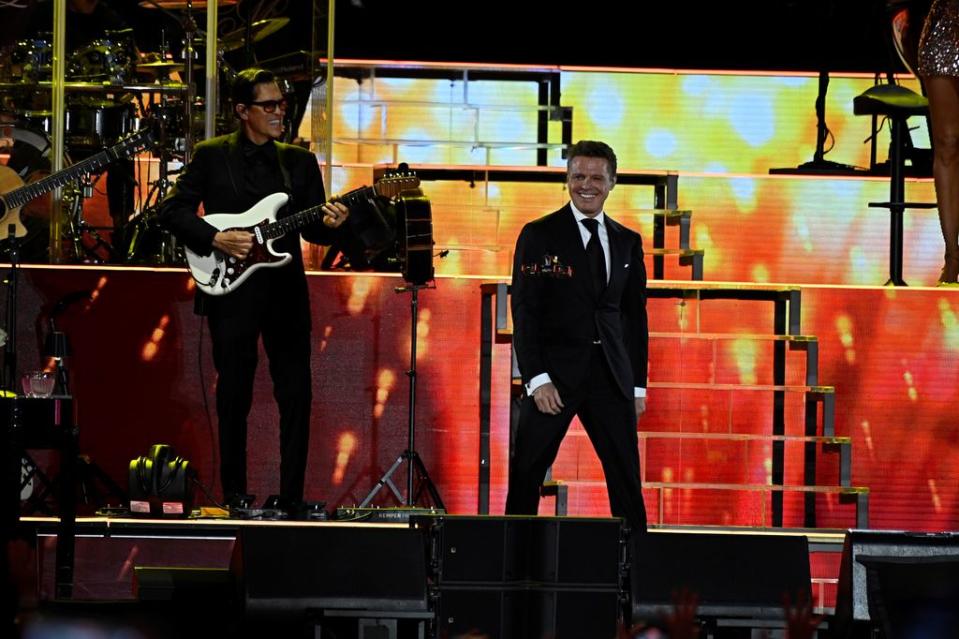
(113, 90)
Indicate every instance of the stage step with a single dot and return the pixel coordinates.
(838, 441)
(787, 299)
(518, 387)
(807, 343)
(787, 302)
(858, 494)
(665, 210)
(687, 257)
(830, 444)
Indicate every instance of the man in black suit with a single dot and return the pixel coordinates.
(229, 174)
(580, 338)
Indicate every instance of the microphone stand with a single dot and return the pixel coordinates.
(819, 165)
(415, 465)
(10, 346)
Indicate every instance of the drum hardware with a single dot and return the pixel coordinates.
(109, 59)
(180, 5)
(96, 124)
(31, 59)
(39, 121)
(160, 68)
(88, 245)
(99, 87)
(260, 29)
(147, 243)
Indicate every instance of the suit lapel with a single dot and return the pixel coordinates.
(615, 236)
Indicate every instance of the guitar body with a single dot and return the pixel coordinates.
(14, 194)
(10, 181)
(415, 231)
(217, 273)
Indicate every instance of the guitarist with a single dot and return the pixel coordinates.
(229, 174)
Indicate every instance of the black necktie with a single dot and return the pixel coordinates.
(597, 259)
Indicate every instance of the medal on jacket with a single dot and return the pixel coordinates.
(549, 266)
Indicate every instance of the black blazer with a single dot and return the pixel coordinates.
(555, 320)
(215, 178)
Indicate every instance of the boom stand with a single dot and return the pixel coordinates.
(415, 465)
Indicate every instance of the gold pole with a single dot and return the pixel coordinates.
(58, 100)
(212, 69)
(330, 30)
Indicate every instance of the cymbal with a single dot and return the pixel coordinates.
(98, 87)
(175, 5)
(160, 67)
(261, 29)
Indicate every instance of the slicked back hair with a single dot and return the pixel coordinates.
(592, 149)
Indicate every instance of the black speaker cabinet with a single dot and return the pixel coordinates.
(289, 570)
(734, 575)
(527, 577)
(544, 550)
(903, 583)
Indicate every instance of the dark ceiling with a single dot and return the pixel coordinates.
(841, 35)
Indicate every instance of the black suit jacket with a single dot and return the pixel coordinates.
(215, 178)
(556, 319)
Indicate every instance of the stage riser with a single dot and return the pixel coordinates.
(572, 559)
(105, 565)
(890, 397)
(103, 573)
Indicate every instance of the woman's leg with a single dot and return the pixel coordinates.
(943, 92)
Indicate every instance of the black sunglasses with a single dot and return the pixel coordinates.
(270, 106)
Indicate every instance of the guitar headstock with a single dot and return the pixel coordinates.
(395, 183)
(136, 142)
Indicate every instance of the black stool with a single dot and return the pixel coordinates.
(898, 104)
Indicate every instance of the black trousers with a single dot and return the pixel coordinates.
(610, 422)
(286, 339)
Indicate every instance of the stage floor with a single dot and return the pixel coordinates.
(108, 549)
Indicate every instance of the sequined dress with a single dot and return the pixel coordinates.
(939, 43)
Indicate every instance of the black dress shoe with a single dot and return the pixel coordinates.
(314, 511)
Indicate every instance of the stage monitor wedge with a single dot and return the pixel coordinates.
(890, 575)
(293, 570)
(733, 574)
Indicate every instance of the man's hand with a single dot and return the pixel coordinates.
(234, 243)
(334, 214)
(640, 406)
(547, 399)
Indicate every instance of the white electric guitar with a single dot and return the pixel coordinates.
(219, 274)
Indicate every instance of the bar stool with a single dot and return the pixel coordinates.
(898, 104)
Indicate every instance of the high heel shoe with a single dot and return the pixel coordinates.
(949, 275)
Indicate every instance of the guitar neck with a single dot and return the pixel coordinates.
(24, 194)
(298, 220)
